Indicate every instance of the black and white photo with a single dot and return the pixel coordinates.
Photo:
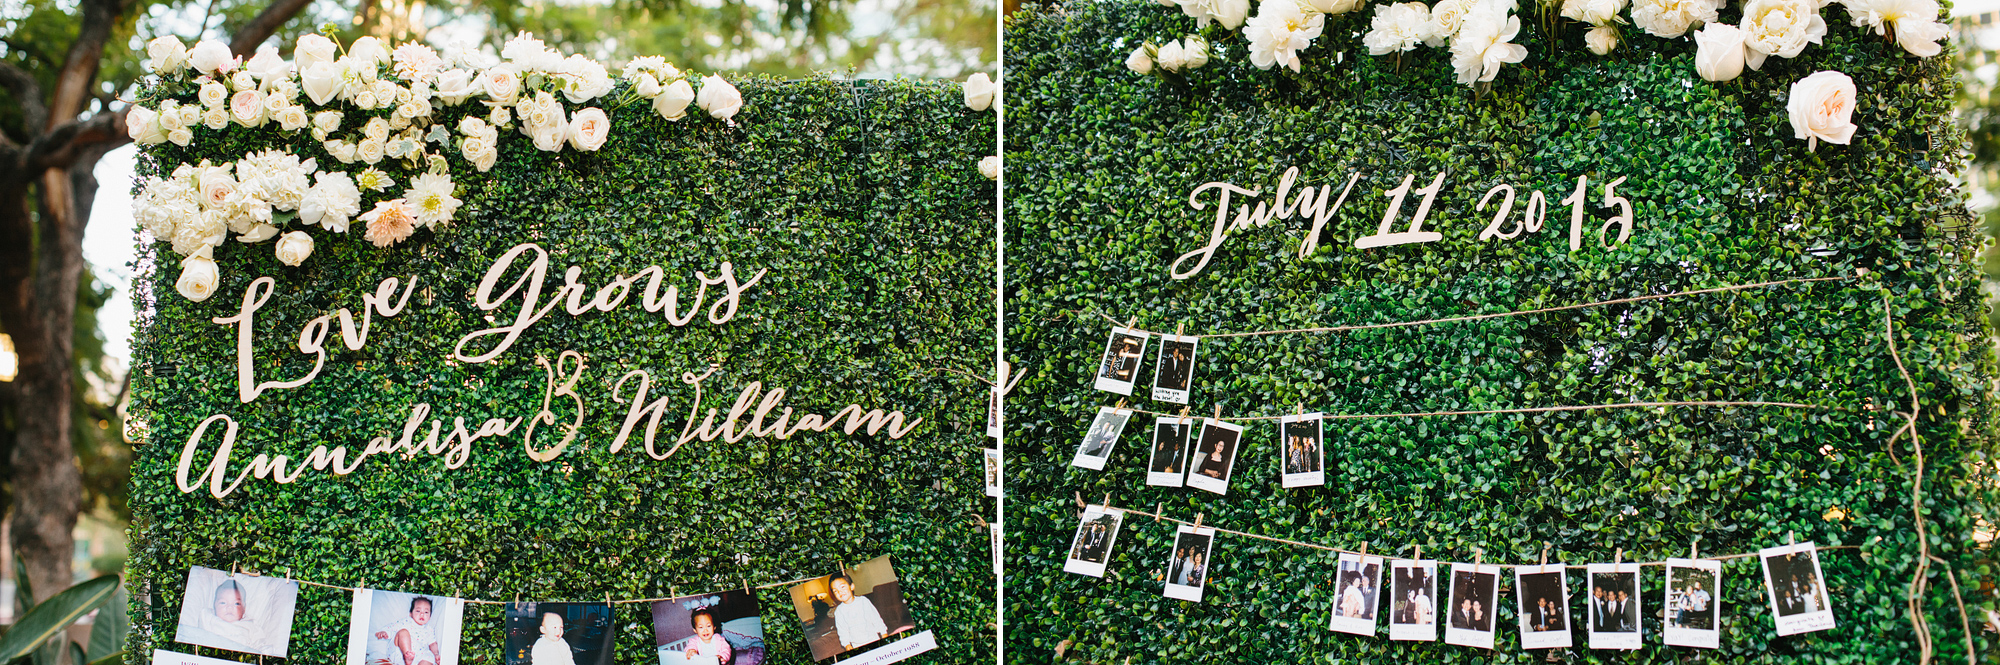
(1214, 456)
(1614, 606)
(237, 612)
(1356, 594)
(1471, 608)
(1797, 589)
(1119, 368)
(1301, 458)
(559, 633)
(1188, 566)
(393, 628)
(1543, 592)
(1167, 466)
(1413, 602)
(992, 468)
(1173, 371)
(1694, 602)
(852, 608)
(1102, 436)
(1091, 547)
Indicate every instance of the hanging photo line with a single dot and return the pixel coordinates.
(1533, 409)
(471, 601)
(1498, 315)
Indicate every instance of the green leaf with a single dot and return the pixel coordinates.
(108, 630)
(53, 615)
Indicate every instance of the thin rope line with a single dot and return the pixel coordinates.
(1329, 548)
(622, 601)
(1534, 409)
(1481, 317)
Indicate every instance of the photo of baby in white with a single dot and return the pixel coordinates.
(247, 613)
(559, 633)
(394, 628)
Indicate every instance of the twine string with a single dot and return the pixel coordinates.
(1533, 409)
(619, 601)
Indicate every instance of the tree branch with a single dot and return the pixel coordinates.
(79, 71)
(27, 93)
(63, 145)
(264, 25)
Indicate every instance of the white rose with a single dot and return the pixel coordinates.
(673, 101)
(1446, 16)
(1672, 18)
(456, 85)
(215, 118)
(213, 95)
(143, 125)
(500, 116)
(1594, 12)
(198, 276)
(979, 91)
(501, 83)
(189, 116)
(719, 99)
(386, 92)
(376, 128)
(480, 150)
(313, 49)
(1779, 27)
(321, 82)
(293, 248)
(1718, 54)
(1139, 61)
(1195, 50)
(365, 100)
(1333, 7)
(1821, 107)
(327, 121)
(241, 80)
(588, 129)
(292, 118)
(258, 233)
(989, 166)
(167, 54)
(368, 50)
(180, 136)
(1171, 57)
(267, 65)
(212, 57)
(247, 108)
(1230, 13)
(646, 85)
(341, 150)
(370, 151)
(1601, 39)
(216, 186)
(549, 137)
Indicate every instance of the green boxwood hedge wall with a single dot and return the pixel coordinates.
(1100, 164)
(865, 202)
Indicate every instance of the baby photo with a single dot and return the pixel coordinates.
(1173, 371)
(710, 629)
(1092, 546)
(1168, 464)
(1302, 460)
(1544, 598)
(1103, 434)
(1215, 456)
(247, 613)
(1412, 604)
(1693, 603)
(1119, 367)
(1614, 606)
(1798, 591)
(1187, 570)
(1474, 589)
(851, 609)
(559, 633)
(1356, 588)
(394, 628)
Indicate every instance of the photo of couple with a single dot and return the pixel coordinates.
(1119, 367)
(394, 628)
(1101, 436)
(1694, 603)
(1168, 464)
(1544, 598)
(1092, 546)
(1798, 594)
(1355, 594)
(1173, 376)
(1471, 605)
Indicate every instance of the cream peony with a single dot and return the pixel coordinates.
(979, 91)
(1779, 27)
(247, 108)
(416, 62)
(719, 99)
(584, 80)
(1601, 39)
(989, 166)
(212, 57)
(1822, 108)
(1718, 54)
(205, 229)
(166, 54)
(1483, 42)
(1673, 18)
(294, 248)
(331, 202)
(1139, 62)
(588, 129)
(1279, 31)
(1917, 29)
(1397, 28)
(198, 276)
(672, 102)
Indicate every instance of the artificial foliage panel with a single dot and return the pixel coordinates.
(864, 203)
(1102, 161)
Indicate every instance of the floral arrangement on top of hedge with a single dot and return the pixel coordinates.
(374, 106)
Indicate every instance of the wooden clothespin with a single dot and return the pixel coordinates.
(1184, 414)
(981, 520)
(1299, 409)
(1178, 327)
(1218, 413)
(1364, 550)
(746, 584)
(1545, 554)
(1156, 511)
(517, 598)
(1619, 557)
(1197, 521)
(1079, 500)
(1107, 501)
(1131, 323)
(1420, 553)
(1693, 548)
(1791, 537)
(1121, 404)
(1478, 557)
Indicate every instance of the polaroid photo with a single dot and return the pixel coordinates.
(1543, 592)
(1614, 606)
(559, 633)
(1798, 590)
(998, 566)
(1187, 571)
(1091, 548)
(1214, 456)
(1120, 366)
(710, 629)
(993, 413)
(1168, 466)
(992, 465)
(403, 628)
(1173, 370)
(1475, 590)
(247, 613)
(1694, 603)
(1103, 434)
(165, 657)
(1356, 589)
(1413, 601)
(1301, 453)
(851, 609)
